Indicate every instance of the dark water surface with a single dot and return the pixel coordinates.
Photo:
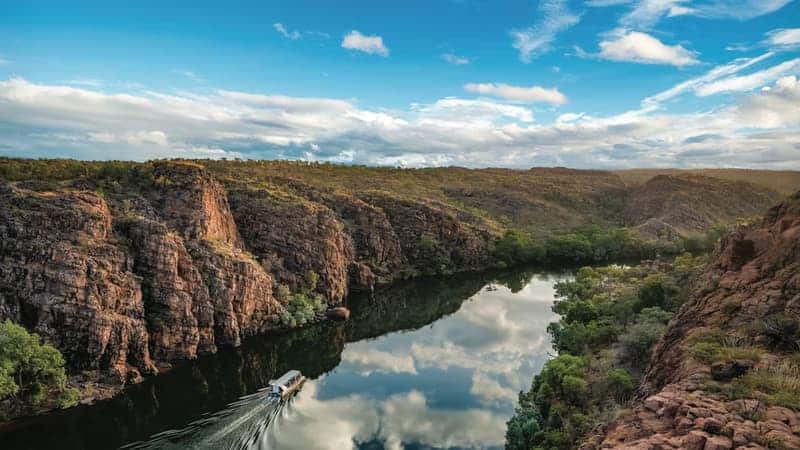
(432, 363)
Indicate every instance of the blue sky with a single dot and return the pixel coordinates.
(475, 83)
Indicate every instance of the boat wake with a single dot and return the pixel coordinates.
(242, 425)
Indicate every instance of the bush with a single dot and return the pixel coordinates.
(518, 247)
(619, 384)
(782, 331)
(31, 371)
(638, 340)
(658, 290)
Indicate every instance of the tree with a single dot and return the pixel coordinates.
(31, 371)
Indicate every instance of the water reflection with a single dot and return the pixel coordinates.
(435, 363)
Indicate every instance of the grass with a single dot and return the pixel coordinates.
(714, 347)
(777, 385)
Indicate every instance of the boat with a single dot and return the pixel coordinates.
(288, 384)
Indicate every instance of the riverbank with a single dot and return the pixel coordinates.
(682, 354)
(419, 339)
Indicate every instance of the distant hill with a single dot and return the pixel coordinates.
(786, 182)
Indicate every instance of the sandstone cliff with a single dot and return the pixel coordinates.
(126, 267)
(749, 300)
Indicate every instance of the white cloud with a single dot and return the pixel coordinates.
(373, 45)
(736, 9)
(372, 360)
(751, 81)
(281, 29)
(645, 14)
(401, 418)
(91, 82)
(787, 37)
(66, 121)
(455, 59)
(518, 93)
(537, 40)
(459, 112)
(697, 83)
(773, 108)
(643, 48)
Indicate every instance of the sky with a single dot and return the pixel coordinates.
(474, 83)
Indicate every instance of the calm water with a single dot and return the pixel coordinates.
(434, 363)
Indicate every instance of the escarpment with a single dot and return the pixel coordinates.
(127, 267)
(746, 308)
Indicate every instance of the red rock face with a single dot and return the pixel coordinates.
(292, 236)
(62, 276)
(758, 271)
(168, 280)
(432, 239)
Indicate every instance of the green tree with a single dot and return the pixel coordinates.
(31, 371)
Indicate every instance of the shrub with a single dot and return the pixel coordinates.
(782, 331)
(619, 384)
(638, 340)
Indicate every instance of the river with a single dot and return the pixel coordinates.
(429, 363)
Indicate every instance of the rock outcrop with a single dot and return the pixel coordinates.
(127, 267)
(63, 275)
(753, 278)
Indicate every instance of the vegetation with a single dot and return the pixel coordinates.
(31, 373)
(593, 244)
(611, 317)
(777, 385)
(303, 306)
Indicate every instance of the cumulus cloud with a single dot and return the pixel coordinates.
(772, 108)
(537, 40)
(373, 45)
(455, 59)
(532, 94)
(68, 121)
(643, 48)
(283, 31)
